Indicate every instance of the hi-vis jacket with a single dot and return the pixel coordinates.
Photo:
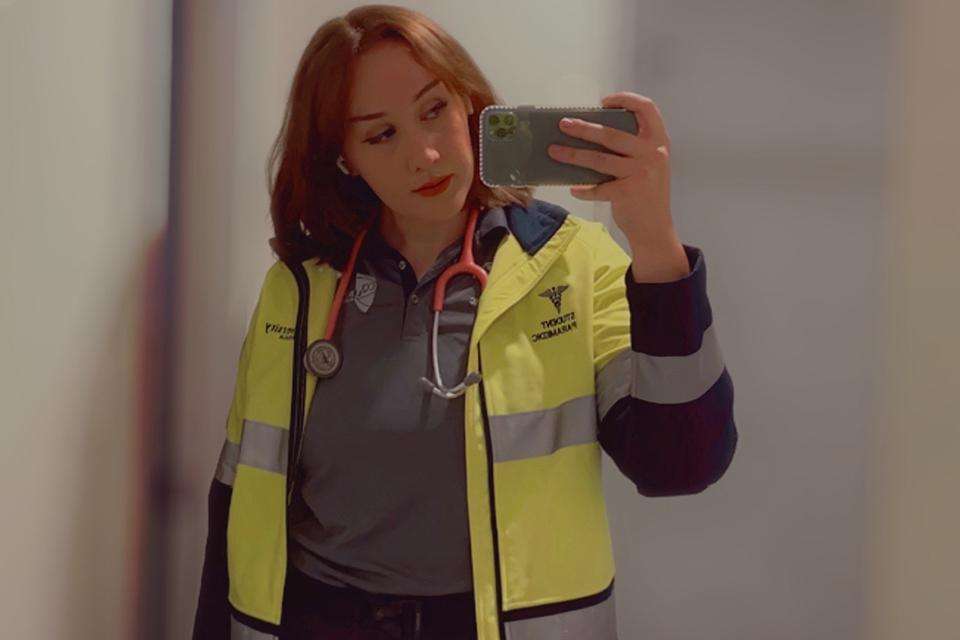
(564, 374)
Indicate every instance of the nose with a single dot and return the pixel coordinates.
(424, 153)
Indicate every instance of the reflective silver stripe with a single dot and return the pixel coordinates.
(539, 433)
(264, 446)
(240, 631)
(660, 379)
(596, 622)
(227, 464)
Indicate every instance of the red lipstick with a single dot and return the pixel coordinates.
(436, 190)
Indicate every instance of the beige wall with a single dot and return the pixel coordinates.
(913, 560)
(84, 152)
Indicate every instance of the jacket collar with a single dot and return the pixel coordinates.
(519, 262)
(533, 226)
(491, 227)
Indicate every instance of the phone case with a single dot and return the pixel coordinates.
(514, 140)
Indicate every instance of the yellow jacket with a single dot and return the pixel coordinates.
(559, 381)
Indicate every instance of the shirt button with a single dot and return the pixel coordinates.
(402, 264)
(414, 299)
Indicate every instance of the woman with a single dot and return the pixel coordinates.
(392, 472)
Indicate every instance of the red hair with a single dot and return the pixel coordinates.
(317, 210)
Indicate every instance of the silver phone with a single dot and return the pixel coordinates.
(514, 141)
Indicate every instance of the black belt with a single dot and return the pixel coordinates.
(453, 613)
(410, 612)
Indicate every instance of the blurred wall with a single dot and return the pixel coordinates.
(779, 124)
(84, 152)
(913, 563)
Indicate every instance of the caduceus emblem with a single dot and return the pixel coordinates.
(554, 294)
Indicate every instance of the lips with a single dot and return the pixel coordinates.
(433, 183)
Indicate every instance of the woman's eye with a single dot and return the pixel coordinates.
(438, 108)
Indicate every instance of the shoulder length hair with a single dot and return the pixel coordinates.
(317, 211)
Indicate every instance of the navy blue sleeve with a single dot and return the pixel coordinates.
(212, 620)
(671, 430)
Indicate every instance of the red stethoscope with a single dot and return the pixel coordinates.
(323, 357)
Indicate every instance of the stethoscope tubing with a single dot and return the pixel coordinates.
(326, 350)
(343, 284)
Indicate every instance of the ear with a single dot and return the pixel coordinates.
(467, 104)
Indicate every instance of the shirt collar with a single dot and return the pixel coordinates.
(491, 227)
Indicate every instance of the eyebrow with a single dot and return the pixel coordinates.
(373, 116)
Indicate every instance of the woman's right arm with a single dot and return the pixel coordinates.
(212, 619)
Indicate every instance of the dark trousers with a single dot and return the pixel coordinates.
(314, 610)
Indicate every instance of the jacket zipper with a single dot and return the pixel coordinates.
(490, 490)
(298, 391)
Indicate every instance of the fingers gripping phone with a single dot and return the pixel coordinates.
(514, 141)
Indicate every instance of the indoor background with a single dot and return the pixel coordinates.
(814, 155)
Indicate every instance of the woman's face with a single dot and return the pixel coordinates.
(413, 137)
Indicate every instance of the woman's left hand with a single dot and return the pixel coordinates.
(640, 192)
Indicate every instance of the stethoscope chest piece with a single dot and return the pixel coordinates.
(322, 358)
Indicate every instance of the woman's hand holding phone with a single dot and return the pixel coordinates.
(635, 158)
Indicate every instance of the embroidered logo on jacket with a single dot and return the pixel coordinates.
(364, 289)
(282, 332)
(559, 324)
(555, 294)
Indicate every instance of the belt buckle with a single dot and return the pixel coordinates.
(409, 610)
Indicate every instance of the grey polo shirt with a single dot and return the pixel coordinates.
(383, 505)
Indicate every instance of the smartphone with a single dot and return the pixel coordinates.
(514, 141)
